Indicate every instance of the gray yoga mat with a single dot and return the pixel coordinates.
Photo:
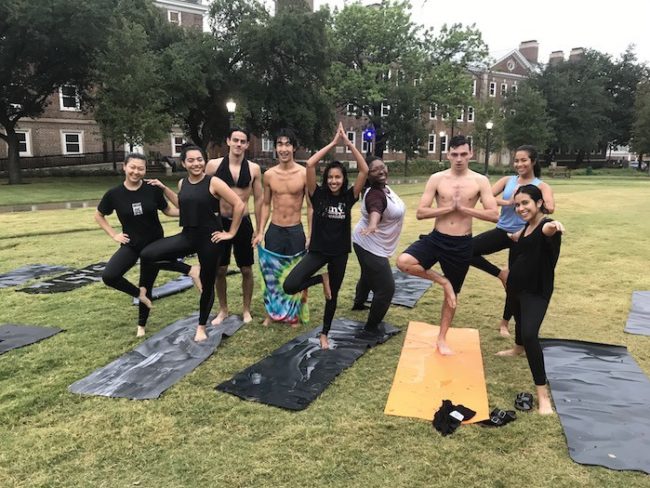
(298, 372)
(408, 289)
(603, 400)
(13, 336)
(157, 363)
(28, 272)
(638, 320)
(177, 285)
(68, 281)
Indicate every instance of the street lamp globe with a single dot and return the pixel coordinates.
(442, 134)
(231, 106)
(489, 124)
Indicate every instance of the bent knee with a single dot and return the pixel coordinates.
(404, 261)
(246, 271)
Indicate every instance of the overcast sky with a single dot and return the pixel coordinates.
(558, 25)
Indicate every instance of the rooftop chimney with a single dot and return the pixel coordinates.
(576, 54)
(530, 50)
(556, 57)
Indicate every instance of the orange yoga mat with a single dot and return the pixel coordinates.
(424, 377)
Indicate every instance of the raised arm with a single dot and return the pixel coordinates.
(314, 160)
(362, 166)
(220, 189)
(497, 189)
(168, 192)
(489, 211)
(425, 211)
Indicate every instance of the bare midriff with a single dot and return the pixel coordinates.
(288, 192)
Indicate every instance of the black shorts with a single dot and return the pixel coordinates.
(286, 241)
(454, 253)
(241, 243)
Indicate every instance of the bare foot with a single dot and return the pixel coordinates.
(305, 295)
(544, 401)
(450, 296)
(503, 276)
(221, 316)
(443, 348)
(195, 274)
(327, 290)
(515, 351)
(140, 332)
(267, 321)
(200, 335)
(247, 317)
(503, 328)
(144, 299)
(324, 343)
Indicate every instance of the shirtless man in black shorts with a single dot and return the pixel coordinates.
(456, 191)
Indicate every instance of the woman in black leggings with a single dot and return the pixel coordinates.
(136, 205)
(198, 204)
(530, 282)
(330, 235)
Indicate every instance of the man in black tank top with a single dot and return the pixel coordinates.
(245, 178)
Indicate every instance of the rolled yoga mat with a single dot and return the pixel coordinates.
(68, 281)
(603, 400)
(424, 377)
(13, 336)
(298, 372)
(29, 272)
(638, 320)
(157, 363)
(408, 289)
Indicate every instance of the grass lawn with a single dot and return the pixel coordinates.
(195, 436)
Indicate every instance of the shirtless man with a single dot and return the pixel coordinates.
(284, 192)
(456, 191)
(245, 178)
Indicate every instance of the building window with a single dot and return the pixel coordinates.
(24, 143)
(177, 144)
(431, 147)
(69, 98)
(443, 144)
(350, 109)
(474, 84)
(445, 112)
(353, 139)
(174, 17)
(432, 111)
(72, 142)
(513, 112)
(385, 109)
(470, 140)
(504, 89)
(267, 144)
(365, 147)
(470, 114)
(461, 114)
(513, 88)
(493, 89)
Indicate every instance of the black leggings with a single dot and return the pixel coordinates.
(122, 261)
(301, 277)
(190, 240)
(529, 310)
(489, 242)
(377, 276)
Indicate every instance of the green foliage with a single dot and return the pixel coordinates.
(526, 119)
(641, 128)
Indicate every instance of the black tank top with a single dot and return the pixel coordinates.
(223, 172)
(198, 207)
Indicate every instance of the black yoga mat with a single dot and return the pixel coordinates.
(177, 285)
(638, 320)
(68, 281)
(408, 289)
(603, 400)
(29, 272)
(157, 363)
(296, 373)
(13, 336)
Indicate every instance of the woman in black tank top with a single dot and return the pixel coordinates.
(198, 204)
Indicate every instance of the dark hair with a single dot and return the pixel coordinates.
(135, 155)
(372, 159)
(532, 154)
(289, 134)
(332, 165)
(533, 192)
(460, 140)
(239, 129)
(187, 147)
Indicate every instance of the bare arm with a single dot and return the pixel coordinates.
(424, 210)
(310, 220)
(212, 166)
(313, 162)
(171, 211)
(373, 222)
(220, 189)
(265, 210)
(258, 197)
(547, 195)
(118, 237)
(497, 189)
(551, 228)
(489, 211)
(362, 166)
(168, 192)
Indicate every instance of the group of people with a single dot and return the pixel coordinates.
(212, 205)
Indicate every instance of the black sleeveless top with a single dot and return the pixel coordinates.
(223, 172)
(197, 206)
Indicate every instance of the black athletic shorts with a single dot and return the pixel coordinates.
(241, 243)
(454, 253)
(285, 240)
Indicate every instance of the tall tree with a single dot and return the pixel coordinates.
(526, 119)
(43, 46)
(641, 126)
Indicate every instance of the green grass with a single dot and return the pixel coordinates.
(194, 436)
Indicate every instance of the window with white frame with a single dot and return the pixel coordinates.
(385, 109)
(177, 144)
(432, 111)
(470, 114)
(72, 142)
(365, 147)
(493, 89)
(470, 140)
(513, 88)
(443, 144)
(474, 85)
(461, 114)
(69, 98)
(445, 112)
(350, 109)
(24, 142)
(267, 143)
(174, 17)
(431, 147)
(504, 89)
(353, 139)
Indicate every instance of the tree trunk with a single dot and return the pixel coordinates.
(406, 164)
(15, 178)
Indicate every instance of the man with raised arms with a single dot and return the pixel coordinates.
(245, 178)
(284, 193)
(456, 191)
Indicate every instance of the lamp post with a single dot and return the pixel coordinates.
(442, 134)
(231, 106)
(488, 127)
